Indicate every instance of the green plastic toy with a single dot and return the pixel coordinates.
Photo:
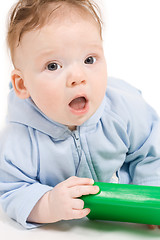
(124, 203)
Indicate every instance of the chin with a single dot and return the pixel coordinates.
(81, 120)
(78, 122)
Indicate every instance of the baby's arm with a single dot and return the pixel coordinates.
(62, 202)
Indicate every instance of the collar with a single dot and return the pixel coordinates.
(27, 113)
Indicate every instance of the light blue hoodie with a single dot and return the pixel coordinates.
(36, 153)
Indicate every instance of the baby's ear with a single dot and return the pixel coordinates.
(18, 84)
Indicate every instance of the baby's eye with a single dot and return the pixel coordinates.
(90, 60)
(53, 66)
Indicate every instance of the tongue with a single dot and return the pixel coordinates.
(78, 103)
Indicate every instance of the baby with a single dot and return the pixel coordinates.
(68, 125)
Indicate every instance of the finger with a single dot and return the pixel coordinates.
(152, 227)
(79, 191)
(77, 214)
(77, 204)
(73, 181)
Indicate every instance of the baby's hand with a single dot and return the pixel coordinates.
(63, 199)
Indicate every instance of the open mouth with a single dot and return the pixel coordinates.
(78, 103)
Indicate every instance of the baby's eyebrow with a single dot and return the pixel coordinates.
(52, 52)
(45, 54)
(98, 46)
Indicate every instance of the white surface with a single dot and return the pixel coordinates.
(76, 230)
(132, 49)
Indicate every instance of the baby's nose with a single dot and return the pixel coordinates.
(75, 82)
(76, 78)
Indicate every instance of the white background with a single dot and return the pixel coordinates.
(131, 43)
(132, 49)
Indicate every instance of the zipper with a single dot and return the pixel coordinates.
(76, 137)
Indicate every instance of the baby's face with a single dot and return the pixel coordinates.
(64, 69)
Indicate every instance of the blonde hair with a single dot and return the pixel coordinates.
(28, 15)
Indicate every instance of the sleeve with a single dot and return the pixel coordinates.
(20, 189)
(143, 157)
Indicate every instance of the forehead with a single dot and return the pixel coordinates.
(78, 31)
(65, 26)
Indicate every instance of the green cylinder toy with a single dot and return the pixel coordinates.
(124, 203)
